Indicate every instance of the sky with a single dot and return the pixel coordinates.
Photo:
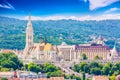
(61, 9)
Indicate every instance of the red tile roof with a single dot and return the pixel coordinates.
(52, 78)
(100, 78)
(118, 77)
(6, 51)
(91, 47)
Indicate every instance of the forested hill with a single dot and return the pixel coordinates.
(12, 31)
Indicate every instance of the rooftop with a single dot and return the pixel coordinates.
(100, 78)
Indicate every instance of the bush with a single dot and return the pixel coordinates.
(4, 79)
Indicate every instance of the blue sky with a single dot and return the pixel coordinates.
(59, 9)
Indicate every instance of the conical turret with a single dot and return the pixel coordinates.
(45, 40)
(40, 40)
(114, 51)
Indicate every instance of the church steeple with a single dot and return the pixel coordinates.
(114, 51)
(29, 17)
(29, 24)
(114, 48)
(29, 35)
(40, 40)
(45, 40)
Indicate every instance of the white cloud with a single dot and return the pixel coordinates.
(85, 0)
(7, 5)
(88, 17)
(112, 10)
(94, 4)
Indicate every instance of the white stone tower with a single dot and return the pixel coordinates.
(29, 35)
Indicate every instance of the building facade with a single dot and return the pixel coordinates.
(66, 52)
(44, 51)
(92, 51)
(37, 51)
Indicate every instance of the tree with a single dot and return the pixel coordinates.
(115, 67)
(18, 63)
(109, 64)
(76, 77)
(6, 64)
(106, 70)
(4, 79)
(84, 57)
(6, 69)
(72, 77)
(83, 76)
(66, 76)
(116, 73)
(26, 66)
(76, 68)
(95, 71)
(97, 58)
(54, 74)
(112, 77)
(34, 68)
(94, 64)
(89, 79)
(100, 65)
(50, 67)
(10, 61)
(84, 67)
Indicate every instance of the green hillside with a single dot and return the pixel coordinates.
(12, 31)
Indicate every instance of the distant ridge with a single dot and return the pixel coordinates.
(12, 31)
(5, 18)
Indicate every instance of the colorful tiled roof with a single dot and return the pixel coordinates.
(6, 73)
(52, 78)
(100, 78)
(6, 51)
(92, 47)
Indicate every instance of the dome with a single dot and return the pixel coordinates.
(100, 38)
(63, 43)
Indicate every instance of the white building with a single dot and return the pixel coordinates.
(44, 51)
(66, 52)
(37, 51)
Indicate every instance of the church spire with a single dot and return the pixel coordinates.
(45, 41)
(114, 51)
(114, 48)
(29, 18)
(29, 24)
(29, 35)
(40, 39)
